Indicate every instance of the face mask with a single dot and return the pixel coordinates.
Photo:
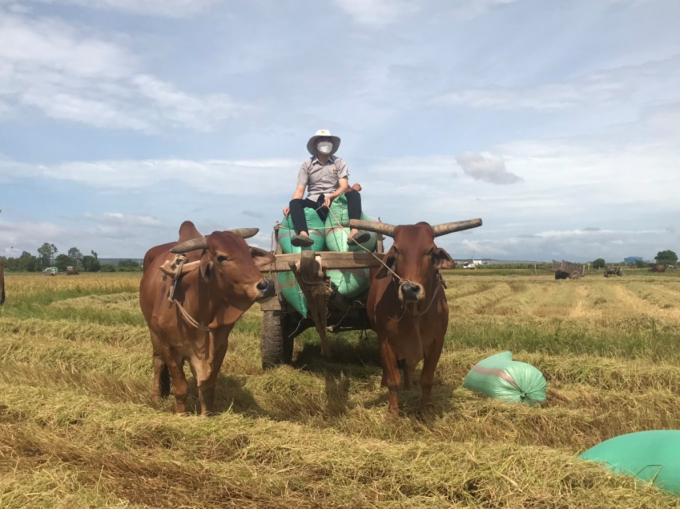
(324, 147)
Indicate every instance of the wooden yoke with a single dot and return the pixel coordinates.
(314, 283)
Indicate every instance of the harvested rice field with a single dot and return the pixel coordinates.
(78, 427)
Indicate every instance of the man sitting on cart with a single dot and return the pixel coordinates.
(325, 177)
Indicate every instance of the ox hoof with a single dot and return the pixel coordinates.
(392, 415)
(427, 409)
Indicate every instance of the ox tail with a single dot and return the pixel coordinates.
(165, 382)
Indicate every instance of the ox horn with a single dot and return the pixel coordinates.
(245, 233)
(459, 226)
(190, 245)
(373, 226)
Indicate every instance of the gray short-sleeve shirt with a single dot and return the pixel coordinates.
(322, 178)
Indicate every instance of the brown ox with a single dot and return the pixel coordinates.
(219, 282)
(658, 268)
(2, 284)
(407, 306)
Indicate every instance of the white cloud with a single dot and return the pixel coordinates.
(612, 245)
(118, 218)
(210, 176)
(377, 13)
(487, 168)
(636, 84)
(70, 74)
(468, 9)
(169, 8)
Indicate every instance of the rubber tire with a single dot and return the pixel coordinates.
(275, 345)
(575, 276)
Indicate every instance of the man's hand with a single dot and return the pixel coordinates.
(286, 211)
(327, 201)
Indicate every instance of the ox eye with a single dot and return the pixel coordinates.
(221, 258)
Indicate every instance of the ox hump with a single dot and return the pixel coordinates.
(188, 232)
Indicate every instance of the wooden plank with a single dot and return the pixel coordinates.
(329, 261)
(310, 277)
(272, 304)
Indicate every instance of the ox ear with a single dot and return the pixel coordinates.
(261, 257)
(206, 268)
(442, 259)
(389, 260)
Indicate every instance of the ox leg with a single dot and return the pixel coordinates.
(432, 355)
(161, 379)
(409, 375)
(180, 387)
(391, 375)
(160, 386)
(206, 385)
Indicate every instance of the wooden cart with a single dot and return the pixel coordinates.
(613, 270)
(329, 311)
(565, 270)
(568, 270)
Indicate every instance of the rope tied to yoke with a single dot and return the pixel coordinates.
(176, 270)
(396, 278)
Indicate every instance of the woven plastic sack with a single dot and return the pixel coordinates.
(350, 282)
(337, 229)
(648, 455)
(288, 285)
(500, 377)
(316, 232)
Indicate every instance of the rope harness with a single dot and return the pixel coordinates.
(176, 269)
(396, 278)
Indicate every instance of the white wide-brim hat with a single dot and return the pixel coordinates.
(323, 133)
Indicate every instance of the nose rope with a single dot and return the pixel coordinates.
(395, 277)
(394, 274)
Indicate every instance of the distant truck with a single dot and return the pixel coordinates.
(72, 271)
(50, 271)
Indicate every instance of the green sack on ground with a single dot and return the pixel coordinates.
(500, 377)
(648, 455)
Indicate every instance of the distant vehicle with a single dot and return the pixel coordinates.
(660, 267)
(72, 271)
(473, 264)
(50, 271)
(613, 270)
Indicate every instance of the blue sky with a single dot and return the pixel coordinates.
(557, 122)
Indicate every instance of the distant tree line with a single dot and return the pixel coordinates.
(666, 257)
(48, 256)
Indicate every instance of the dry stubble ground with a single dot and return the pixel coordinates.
(78, 429)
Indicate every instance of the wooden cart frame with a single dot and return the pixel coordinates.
(613, 270)
(567, 270)
(328, 310)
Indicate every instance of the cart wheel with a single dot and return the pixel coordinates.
(575, 275)
(276, 346)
